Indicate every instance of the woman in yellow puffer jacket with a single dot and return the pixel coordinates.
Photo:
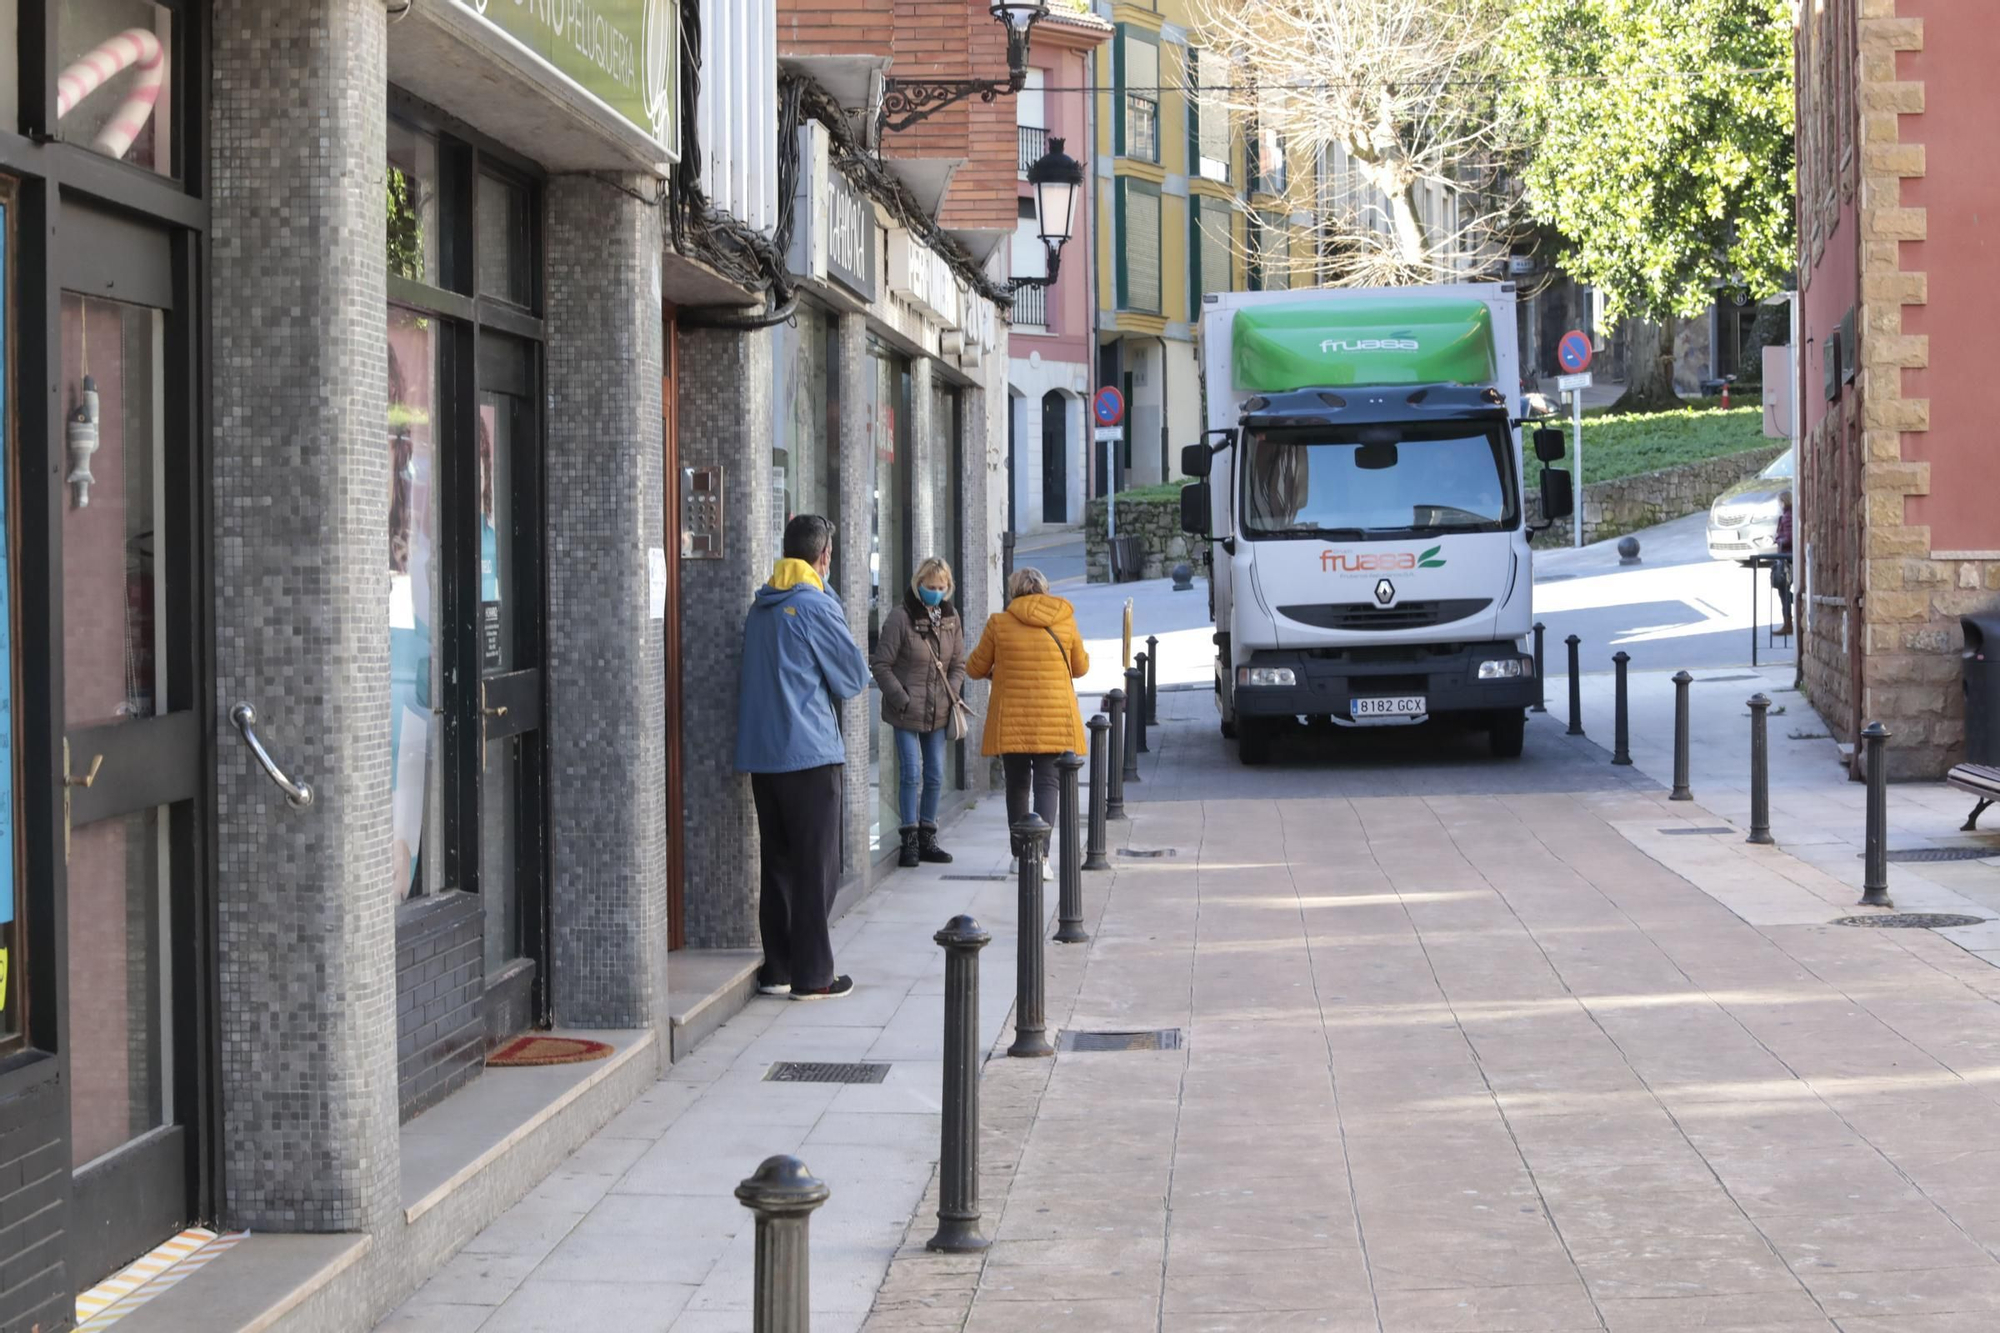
(1031, 652)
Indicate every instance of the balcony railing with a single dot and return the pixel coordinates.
(1142, 128)
(1034, 145)
(1031, 308)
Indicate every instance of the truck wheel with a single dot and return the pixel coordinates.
(1255, 739)
(1506, 734)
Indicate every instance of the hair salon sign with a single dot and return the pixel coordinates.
(621, 52)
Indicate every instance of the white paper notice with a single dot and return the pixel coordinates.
(656, 582)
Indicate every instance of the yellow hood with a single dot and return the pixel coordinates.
(791, 573)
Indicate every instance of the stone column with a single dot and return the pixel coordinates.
(725, 387)
(928, 457)
(606, 728)
(982, 488)
(856, 506)
(306, 913)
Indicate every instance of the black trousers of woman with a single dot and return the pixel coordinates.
(1031, 776)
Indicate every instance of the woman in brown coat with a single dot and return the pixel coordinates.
(1032, 652)
(919, 662)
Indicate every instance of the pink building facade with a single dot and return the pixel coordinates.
(1052, 342)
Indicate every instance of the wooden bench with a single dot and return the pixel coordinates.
(1982, 782)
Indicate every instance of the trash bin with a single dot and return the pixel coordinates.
(1980, 664)
(1127, 555)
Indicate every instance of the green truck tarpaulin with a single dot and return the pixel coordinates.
(1324, 344)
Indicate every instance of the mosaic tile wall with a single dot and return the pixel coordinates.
(857, 511)
(724, 419)
(607, 731)
(306, 928)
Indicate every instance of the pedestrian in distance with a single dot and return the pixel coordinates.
(1781, 572)
(919, 664)
(798, 661)
(1031, 652)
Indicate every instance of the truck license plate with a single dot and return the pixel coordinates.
(1400, 705)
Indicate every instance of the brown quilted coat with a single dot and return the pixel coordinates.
(905, 665)
(1032, 652)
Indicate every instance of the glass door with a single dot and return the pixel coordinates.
(132, 750)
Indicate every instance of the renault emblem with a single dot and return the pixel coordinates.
(1385, 592)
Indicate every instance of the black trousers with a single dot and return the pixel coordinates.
(1032, 775)
(798, 841)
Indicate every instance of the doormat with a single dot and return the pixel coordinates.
(536, 1050)
(155, 1275)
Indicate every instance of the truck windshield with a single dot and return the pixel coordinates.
(1312, 481)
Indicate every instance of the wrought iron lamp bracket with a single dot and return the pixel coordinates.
(907, 101)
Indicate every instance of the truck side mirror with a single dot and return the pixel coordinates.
(1558, 494)
(1195, 460)
(1194, 508)
(1549, 444)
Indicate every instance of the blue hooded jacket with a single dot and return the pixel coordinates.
(797, 659)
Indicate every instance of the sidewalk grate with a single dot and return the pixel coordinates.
(1690, 832)
(1921, 854)
(1910, 920)
(1157, 851)
(998, 879)
(811, 1071)
(1717, 680)
(1159, 1039)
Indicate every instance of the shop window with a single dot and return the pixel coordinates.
(411, 550)
(13, 971)
(413, 204)
(116, 94)
(506, 233)
(804, 422)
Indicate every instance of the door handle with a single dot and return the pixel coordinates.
(501, 711)
(484, 711)
(298, 795)
(70, 782)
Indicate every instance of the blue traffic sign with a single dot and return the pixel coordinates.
(1574, 351)
(1108, 406)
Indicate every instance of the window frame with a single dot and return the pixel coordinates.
(1122, 99)
(1126, 185)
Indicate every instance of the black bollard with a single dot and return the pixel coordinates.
(1680, 792)
(958, 1152)
(1006, 558)
(1152, 680)
(1114, 789)
(1621, 724)
(1139, 665)
(1135, 711)
(1031, 844)
(783, 1195)
(1069, 869)
(1875, 873)
(1760, 772)
(1575, 689)
(1093, 856)
(1541, 704)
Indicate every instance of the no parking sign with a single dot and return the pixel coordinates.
(1108, 407)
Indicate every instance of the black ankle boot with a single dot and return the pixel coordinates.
(908, 856)
(927, 848)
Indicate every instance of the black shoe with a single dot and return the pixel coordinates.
(908, 856)
(927, 848)
(840, 986)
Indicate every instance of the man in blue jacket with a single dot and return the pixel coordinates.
(798, 661)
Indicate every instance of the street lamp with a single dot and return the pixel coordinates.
(907, 101)
(1057, 179)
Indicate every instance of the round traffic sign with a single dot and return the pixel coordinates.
(1574, 351)
(1108, 406)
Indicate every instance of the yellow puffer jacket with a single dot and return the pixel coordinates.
(1031, 652)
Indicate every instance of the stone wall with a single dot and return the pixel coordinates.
(1157, 522)
(1614, 508)
(1610, 509)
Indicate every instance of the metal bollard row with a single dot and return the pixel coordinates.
(958, 1155)
(1875, 869)
(1069, 868)
(1152, 680)
(1114, 798)
(1139, 665)
(1575, 689)
(1541, 704)
(1760, 772)
(1093, 857)
(1681, 792)
(1621, 722)
(782, 1195)
(1135, 714)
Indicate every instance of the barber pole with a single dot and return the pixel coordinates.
(133, 47)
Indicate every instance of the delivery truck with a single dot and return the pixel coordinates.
(1361, 489)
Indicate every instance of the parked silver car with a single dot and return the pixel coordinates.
(1743, 521)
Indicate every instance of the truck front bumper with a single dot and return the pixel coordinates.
(1325, 682)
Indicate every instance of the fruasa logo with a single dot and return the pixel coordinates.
(1377, 562)
(1370, 345)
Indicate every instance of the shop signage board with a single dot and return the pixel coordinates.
(920, 276)
(850, 236)
(621, 52)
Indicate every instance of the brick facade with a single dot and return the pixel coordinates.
(1897, 557)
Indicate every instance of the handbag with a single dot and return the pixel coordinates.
(958, 723)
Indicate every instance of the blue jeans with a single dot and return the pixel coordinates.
(919, 769)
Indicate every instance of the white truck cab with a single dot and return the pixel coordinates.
(1361, 488)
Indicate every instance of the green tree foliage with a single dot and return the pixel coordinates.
(1663, 134)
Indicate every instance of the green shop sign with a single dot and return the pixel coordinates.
(622, 52)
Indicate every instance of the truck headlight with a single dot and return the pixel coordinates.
(1266, 676)
(1505, 668)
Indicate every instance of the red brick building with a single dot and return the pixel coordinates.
(1899, 270)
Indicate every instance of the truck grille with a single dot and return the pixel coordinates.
(1368, 616)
